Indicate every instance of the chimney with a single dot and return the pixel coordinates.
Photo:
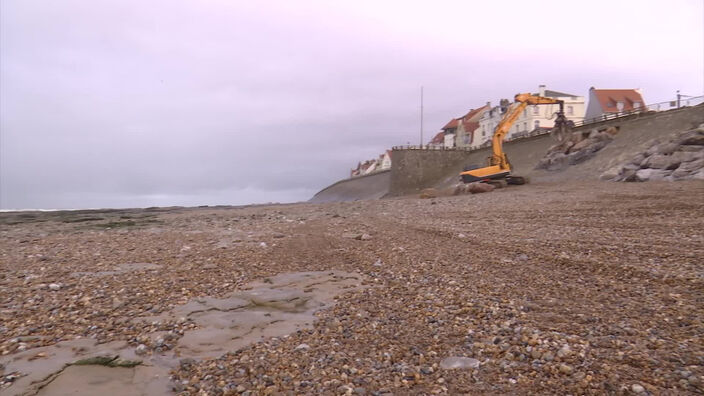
(488, 104)
(541, 90)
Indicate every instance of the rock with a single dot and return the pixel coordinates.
(699, 175)
(651, 174)
(54, 286)
(302, 347)
(360, 391)
(667, 148)
(186, 362)
(611, 173)
(637, 388)
(579, 156)
(429, 193)
(558, 162)
(604, 137)
(692, 148)
(612, 131)
(659, 161)
(638, 159)
(565, 369)
(583, 144)
(457, 362)
(477, 188)
(351, 235)
(692, 138)
(687, 168)
(141, 349)
(365, 237)
(686, 156)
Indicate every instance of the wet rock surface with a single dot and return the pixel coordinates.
(679, 157)
(576, 288)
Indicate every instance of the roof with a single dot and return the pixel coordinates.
(608, 99)
(474, 114)
(439, 138)
(388, 152)
(452, 124)
(469, 126)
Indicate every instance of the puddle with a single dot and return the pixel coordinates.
(273, 307)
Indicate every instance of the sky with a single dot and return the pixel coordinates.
(160, 103)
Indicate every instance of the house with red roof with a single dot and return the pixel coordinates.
(469, 124)
(438, 140)
(605, 101)
(385, 160)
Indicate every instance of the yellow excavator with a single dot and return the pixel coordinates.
(499, 169)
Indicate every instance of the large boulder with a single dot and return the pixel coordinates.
(667, 148)
(660, 161)
(477, 188)
(651, 174)
(583, 144)
(695, 137)
(611, 173)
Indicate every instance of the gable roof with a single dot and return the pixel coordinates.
(470, 126)
(438, 139)
(608, 99)
(452, 124)
(474, 114)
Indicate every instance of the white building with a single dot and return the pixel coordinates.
(532, 117)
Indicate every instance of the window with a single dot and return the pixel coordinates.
(525, 126)
(516, 128)
(636, 105)
(525, 113)
(570, 110)
(619, 106)
(536, 110)
(536, 124)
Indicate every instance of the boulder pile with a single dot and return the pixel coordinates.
(577, 148)
(680, 157)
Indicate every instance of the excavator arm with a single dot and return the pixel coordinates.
(499, 167)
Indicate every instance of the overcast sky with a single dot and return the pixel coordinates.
(144, 103)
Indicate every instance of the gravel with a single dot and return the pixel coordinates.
(576, 288)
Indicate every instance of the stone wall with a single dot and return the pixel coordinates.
(372, 186)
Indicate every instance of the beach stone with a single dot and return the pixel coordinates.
(637, 388)
(141, 349)
(302, 347)
(458, 362)
(54, 286)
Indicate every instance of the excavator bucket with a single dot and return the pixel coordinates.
(562, 130)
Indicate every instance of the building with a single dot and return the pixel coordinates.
(385, 160)
(438, 140)
(488, 122)
(450, 131)
(533, 118)
(468, 125)
(605, 101)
